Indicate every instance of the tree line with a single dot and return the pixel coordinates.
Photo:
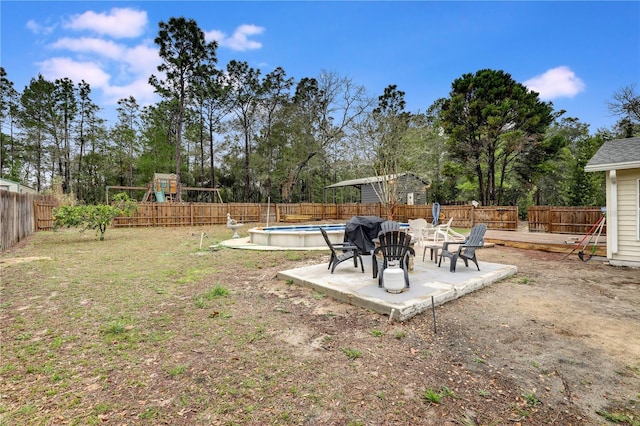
(268, 136)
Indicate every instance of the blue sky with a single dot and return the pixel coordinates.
(575, 54)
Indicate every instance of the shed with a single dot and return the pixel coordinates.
(408, 187)
(620, 160)
(11, 186)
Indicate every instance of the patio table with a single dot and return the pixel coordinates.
(434, 248)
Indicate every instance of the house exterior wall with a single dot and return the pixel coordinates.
(628, 217)
(407, 184)
(11, 186)
(8, 185)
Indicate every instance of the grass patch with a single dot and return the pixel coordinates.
(531, 399)
(216, 292)
(433, 396)
(116, 327)
(201, 300)
(613, 417)
(399, 335)
(176, 370)
(619, 417)
(351, 353)
(484, 393)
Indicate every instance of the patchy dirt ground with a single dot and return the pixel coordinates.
(557, 344)
(125, 333)
(564, 330)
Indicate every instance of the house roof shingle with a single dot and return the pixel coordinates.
(615, 155)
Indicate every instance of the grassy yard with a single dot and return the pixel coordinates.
(118, 329)
(151, 327)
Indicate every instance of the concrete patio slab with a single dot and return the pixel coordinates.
(430, 285)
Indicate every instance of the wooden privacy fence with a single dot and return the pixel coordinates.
(194, 214)
(563, 220)
(23, 214)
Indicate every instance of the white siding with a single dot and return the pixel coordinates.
(11, 186)
(8, 185)
(628, 215)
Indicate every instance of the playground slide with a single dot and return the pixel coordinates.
(159, 196)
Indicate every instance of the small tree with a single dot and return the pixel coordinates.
(96, 217)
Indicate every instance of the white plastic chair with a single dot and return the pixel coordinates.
(418, 229)
(447, 233)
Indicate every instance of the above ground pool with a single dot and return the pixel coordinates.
(296, 235)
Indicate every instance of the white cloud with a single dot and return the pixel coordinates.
(118, 23)
(239, 40)
(140, 89)
(117, 70)
(90, 45)
(90, 72)
(39, 29)
(558, 82)
(216, 35)
(138, 59)
(142, 59)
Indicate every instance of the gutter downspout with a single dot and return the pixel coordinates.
(612, 213)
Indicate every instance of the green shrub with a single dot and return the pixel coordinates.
(96, 217)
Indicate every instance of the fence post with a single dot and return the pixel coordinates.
(472, 215)
(35, 215)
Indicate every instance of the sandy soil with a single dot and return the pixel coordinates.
(559, 343)
(565, 329)
(556, 344)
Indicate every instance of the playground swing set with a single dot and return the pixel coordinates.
(163, 189)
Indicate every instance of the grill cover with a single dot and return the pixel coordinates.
(361, 230)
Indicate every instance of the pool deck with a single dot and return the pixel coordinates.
(430, 285)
